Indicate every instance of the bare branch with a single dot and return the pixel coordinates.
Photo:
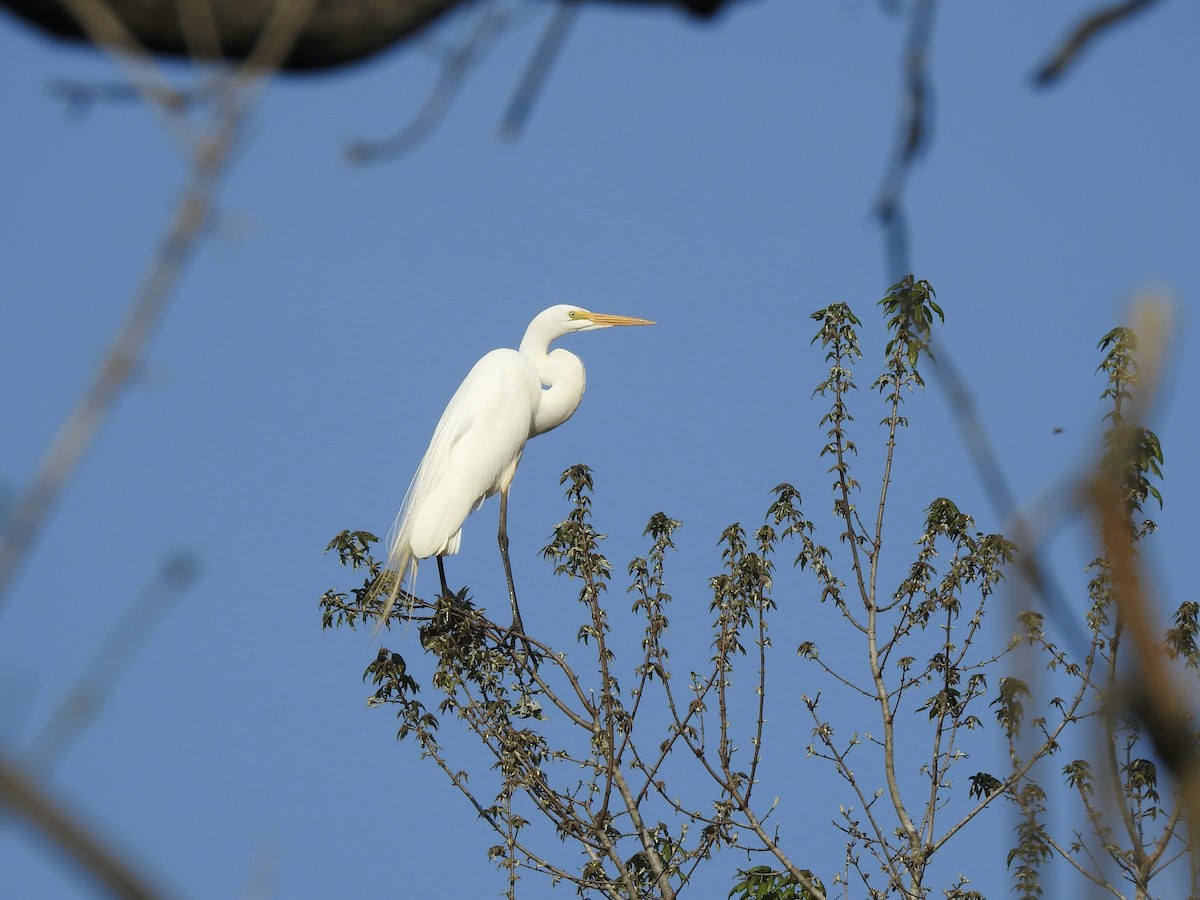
(489, 24)
(208, 156)
(193, 211)
(1086, 32)
(534, 79)
(911, 138)
(65, 832)
(114, 654)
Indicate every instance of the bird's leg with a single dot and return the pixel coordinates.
(442, 576)
(516, 631)
(502, 537)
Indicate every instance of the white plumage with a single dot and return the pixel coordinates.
(508, 397)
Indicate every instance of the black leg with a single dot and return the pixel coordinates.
(502, 537)
(516, 631)
(442, 575)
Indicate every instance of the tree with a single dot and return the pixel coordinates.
(642, 768)
(1125, 832)
(205, 109)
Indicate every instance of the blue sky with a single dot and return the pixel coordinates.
(718, 178)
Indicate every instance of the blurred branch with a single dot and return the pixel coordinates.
(490, 23)
(110, 661)
(990, 473)
(1154, 694)
(488, 26)
(81, 96)
(198, 29)
(262, 882)
(121, 361)
(1087, 31)
(534, 79)
(276, 41)
(146, 79)
(208, 153)
(911, 139)
(64, 831)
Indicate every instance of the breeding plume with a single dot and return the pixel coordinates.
(508, 397)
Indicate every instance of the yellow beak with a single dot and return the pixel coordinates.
(606, 319)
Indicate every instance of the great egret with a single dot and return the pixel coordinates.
(508, 397)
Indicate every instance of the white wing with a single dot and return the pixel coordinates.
(472, 455)
(474, 452)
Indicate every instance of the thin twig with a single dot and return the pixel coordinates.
(534, 79)
(911, 138)
(437, 102)
(1084, 34)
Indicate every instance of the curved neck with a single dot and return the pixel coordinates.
(563, 379)
(561, 373)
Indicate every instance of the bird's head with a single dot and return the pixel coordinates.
(567, 319)
(553, 323)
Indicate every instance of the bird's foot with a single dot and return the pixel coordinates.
(514, 636)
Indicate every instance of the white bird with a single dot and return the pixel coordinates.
(508, 397)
